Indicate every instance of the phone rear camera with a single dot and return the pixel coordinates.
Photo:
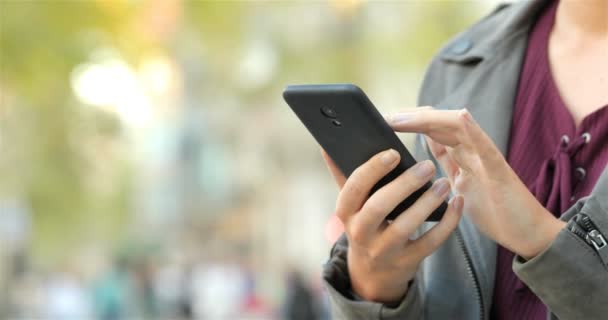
(329, 112)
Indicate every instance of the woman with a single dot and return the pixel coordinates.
(532, 244)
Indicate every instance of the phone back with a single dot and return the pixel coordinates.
(351, 130)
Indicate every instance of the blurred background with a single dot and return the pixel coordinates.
(149, 168)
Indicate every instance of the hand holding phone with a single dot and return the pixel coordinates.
(351, 130)
(375, 173)
(381, 258)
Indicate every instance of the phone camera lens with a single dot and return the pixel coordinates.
(329, 112)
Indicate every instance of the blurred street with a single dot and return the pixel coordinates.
(149, 168)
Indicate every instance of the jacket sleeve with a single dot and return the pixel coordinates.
(345, 306)
(571, 275)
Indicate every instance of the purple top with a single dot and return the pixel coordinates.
(557, 161)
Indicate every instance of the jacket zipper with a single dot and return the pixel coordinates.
(469, 263)
(582, 226)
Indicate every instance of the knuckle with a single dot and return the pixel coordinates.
(375, 256)
(356, 232)
(342, 215)
(462, 181)
(375, 208)
(397, 231)
(429, 244)
(439, 151)
(353, 188)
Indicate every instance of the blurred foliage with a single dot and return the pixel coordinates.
(48, 139)
(55, 151)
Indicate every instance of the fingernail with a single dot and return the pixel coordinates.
(389, 157)
(402, 117)
(457, 202)
(441, 187)
(467, 115)
(423, 169)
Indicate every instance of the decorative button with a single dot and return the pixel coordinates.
(461, 46)
(565, 140)
(587, 137)
(580, 173)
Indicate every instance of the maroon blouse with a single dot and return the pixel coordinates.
(557, 161)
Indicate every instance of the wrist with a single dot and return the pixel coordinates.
(389, 295)
(542, 236)
(384, 287)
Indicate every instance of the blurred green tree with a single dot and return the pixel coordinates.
(57, 155)
(47, 137)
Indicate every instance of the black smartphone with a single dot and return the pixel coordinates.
(351, 130)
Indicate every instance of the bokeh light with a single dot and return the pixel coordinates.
(151, 170)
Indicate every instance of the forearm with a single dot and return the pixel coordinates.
(571, 276)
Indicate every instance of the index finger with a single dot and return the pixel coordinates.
(443, 126)
(448, 127)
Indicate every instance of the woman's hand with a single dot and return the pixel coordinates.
(497, 201)
(381, 257)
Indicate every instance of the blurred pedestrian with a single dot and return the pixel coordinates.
(66, 298)
(218, 291)
(112, 293)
